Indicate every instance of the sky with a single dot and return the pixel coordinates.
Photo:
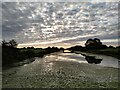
(62, 24)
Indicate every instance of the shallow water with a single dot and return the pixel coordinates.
(107, 61)
(62, 70)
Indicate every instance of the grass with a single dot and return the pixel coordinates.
(109, 52)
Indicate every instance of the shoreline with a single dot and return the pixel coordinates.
(101, 53)
(62, 75)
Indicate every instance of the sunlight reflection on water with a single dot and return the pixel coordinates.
(47, 62)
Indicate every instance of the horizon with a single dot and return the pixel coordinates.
(38, 45)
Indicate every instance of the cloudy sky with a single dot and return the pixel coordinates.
(59, 23)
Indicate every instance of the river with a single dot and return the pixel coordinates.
(63, 70)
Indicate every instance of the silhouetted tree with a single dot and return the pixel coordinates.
(111, 47)
(94, 44)
(29, 53)
(4, 43)
(97, 41)
(61, 49)
(11, 43)
(12, 54)
(89, 42)
(76, 48)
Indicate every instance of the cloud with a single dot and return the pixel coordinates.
(61, 1)
(56, 22)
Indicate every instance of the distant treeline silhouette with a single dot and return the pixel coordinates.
(96, 46)
(12, 54)
(90, 44)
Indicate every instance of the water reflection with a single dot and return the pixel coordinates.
(92, 59)
(101, 60)
(48, 62)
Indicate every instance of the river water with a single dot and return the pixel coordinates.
(107, 61)
(63, 70)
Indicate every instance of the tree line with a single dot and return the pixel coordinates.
(12, 54)
(96, 46)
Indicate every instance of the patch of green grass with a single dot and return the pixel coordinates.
(114, 52)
